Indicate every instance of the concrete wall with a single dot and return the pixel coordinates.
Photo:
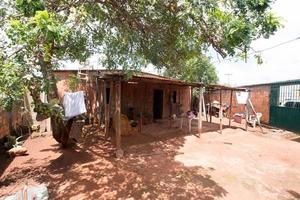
(259, 95)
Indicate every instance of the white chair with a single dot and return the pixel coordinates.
(255, 120)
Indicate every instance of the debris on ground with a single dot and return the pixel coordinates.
(39, 192)
(17, 151)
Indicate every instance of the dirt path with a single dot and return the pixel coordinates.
(161, 165)
(247, 166)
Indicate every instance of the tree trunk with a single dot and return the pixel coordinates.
(10, 122)
(61, 130)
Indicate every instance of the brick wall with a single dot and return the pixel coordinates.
(89, 88)
(259, 96)
(4, 120)
(4, 128)
(139, 96)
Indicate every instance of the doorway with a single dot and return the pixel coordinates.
(157, 104)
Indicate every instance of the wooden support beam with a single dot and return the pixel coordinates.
(246, 117)
(230, 108)
(171, 106)
(210, 116)
(119, 152)
(98, 102)
(221, 113)
(200, 111)
(204, 108)
(110, 103)
(106, 109)
(191, 96)
(111, 97)
(101, 103)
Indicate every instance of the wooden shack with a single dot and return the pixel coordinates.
(156, 97)
(142, 97)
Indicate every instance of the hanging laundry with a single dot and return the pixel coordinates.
(74, 104)
(242, 97)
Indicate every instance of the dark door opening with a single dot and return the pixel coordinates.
(157, 104)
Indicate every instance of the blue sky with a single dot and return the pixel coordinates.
(281, 63)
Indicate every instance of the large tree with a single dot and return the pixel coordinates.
(38, 34)
(198, 69)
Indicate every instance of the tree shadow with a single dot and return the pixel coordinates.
(294, 194)
(89, 170)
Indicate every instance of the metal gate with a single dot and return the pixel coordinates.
(285, 105)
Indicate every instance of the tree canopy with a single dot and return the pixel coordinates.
(198, 69)
(39, 34)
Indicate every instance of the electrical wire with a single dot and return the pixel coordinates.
(263, 50)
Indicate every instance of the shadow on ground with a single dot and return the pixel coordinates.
(89, 170)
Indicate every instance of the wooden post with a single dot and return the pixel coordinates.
(221, 113)
(111, 98)
(97, 100)
(230, 108)
(200, 111)
(119, 152)
(101, 103)
(210, 116)
(191, 104)
(106, 109)
(246, 117)
(204, 108)
(171, 105)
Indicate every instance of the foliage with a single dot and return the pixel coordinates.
(198, 69)
(172, 35)
(11, 86)
(73, 82)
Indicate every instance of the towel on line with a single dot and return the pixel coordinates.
(242, 97)
(74, 104)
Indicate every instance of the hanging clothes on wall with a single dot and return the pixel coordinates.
(74, 104)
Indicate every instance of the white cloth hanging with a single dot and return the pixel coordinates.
(242, 97)
(74, 104)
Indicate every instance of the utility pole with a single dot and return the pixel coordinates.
(228, 78)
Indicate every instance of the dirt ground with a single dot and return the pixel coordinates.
(162, 163)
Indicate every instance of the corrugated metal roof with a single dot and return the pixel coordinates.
(296, 81)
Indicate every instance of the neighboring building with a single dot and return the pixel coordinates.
(279, 103)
